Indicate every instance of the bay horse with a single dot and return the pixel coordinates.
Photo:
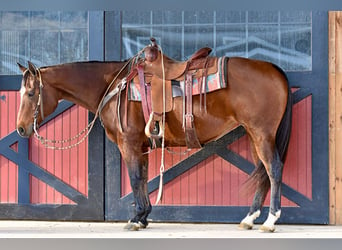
(257, 97)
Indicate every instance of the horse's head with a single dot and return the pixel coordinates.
(34, 104)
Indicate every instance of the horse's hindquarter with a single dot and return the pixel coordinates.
(258, 91)
(255, 96)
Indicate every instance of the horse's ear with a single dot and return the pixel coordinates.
(32, 68)
(21, 67)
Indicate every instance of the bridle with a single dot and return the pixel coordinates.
(39, 105)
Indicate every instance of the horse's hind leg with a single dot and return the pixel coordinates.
(261, 188)
(275, 175)
(271, 168)
(255, 209)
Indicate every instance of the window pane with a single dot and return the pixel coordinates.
(136, 17)
(230, 17)
(296, 46)
(283, 38)
(196, 37)
(263, 17)
(43, 37)
(198, 17)
(263, 42)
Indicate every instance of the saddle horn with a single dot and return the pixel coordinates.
(151, 51)
(153, 42)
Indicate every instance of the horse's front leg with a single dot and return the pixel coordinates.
(138, 174)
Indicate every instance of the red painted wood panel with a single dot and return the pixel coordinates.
(8, 170)
(217, 182)
(71, 166)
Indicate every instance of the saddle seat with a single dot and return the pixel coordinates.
(173, 69)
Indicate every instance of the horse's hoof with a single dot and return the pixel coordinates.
(132, 226)
(142, 225)
(245, 226)
(266, 229)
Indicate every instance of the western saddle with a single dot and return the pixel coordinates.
(155, 74)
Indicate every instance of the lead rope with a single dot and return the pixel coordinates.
(48, 143)
(162, 168)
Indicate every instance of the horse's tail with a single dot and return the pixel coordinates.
(259, 177)
(284, 129)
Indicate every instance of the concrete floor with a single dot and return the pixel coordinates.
(46, 229)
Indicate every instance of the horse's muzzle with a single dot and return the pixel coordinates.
(23, 132)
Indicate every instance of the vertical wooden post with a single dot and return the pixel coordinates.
(335, 116)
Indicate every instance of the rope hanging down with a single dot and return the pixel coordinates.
(162, 167)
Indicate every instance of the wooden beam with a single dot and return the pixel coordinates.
(332, 126)
(335, 116)
(338, 115)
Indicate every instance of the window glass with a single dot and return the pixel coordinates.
(283, 38)
(43, 37)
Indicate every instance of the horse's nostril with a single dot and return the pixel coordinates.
(21, 131)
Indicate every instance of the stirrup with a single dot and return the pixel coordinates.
(153, 128)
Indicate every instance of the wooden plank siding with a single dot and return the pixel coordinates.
(217, 182)
(8, 170)
(335, 116)
(70, 166)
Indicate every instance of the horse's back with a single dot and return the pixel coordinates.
(255, 70)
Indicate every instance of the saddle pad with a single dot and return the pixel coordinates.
(213, 82)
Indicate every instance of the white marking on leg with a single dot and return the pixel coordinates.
(271, 220)
(249, 219)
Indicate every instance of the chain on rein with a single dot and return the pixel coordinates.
(81, 136)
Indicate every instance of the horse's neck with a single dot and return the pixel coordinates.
(81, 86)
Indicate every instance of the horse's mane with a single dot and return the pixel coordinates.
(82, 62)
